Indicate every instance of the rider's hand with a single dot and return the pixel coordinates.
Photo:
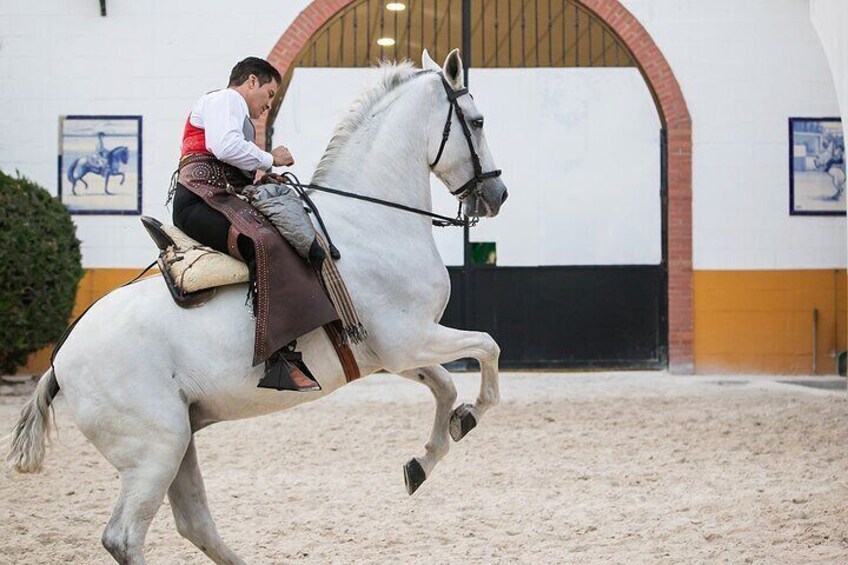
(282, 157)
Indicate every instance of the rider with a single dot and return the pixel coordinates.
(218, 139)
(837, 155)
(101, 155)
(837, 152)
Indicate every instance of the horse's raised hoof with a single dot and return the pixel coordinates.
(413, 475)
(462, 421)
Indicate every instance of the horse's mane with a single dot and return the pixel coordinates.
(392, 75)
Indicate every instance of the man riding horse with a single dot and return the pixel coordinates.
(100, 158)
(218, 159)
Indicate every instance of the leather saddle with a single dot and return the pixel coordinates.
(192, 271)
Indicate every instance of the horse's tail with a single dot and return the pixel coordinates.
(28, 437)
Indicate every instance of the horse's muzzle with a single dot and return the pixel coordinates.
(486, 202)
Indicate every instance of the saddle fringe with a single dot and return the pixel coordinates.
(352, 329)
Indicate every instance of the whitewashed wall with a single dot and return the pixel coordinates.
(745, 67)
(152, 58)
(830, 18)
(580, 151)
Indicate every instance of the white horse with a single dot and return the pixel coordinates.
(141, 375)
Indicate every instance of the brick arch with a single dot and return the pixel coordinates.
(674, 115)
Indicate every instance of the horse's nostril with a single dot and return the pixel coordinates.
(505, 196)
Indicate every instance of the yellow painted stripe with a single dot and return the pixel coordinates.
(745, 321)
(762, 321)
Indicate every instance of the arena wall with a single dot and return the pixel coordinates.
(744, 69)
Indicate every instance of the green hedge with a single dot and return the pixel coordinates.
(40, 268)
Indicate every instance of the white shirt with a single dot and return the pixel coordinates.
(222, 114)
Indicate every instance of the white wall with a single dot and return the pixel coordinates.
(152, 58)
(830, 19)
(580, 151)
(746, 67)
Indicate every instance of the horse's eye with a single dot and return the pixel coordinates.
(478, 123)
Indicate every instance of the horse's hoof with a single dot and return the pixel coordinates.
(413, 475)
(462, 421)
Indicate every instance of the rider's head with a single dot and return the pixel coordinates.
(257, 81)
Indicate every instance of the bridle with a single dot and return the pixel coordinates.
(473, 186)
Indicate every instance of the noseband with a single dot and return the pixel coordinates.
(474, 185)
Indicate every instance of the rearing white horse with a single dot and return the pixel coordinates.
(141, 375)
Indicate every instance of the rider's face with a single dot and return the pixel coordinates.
(259, 97)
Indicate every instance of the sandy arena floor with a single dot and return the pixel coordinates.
(578, 468)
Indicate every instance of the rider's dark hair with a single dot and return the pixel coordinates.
(263, 70)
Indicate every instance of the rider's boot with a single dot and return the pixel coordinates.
(285, 370)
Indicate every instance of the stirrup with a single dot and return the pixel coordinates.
(284, 374)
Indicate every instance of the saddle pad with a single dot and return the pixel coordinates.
(194, 267)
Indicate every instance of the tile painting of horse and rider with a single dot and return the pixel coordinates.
(100, 164)
(817, 167)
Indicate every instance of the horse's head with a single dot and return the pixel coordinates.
(457, 151)
(117, 155)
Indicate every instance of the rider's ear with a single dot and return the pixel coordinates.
(427, 63)
(453, 70)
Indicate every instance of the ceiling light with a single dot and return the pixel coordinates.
(385, 42)
(395, 7)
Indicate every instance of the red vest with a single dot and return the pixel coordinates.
(194, 140)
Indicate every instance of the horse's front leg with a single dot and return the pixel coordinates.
(440, 383)
(106, 184)
(443, 345)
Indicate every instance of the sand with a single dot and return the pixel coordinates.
(570, 468)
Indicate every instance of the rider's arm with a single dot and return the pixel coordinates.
(222, 116)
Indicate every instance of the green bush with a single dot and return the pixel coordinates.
(40, 268)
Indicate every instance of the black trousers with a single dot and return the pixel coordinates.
(206, 225)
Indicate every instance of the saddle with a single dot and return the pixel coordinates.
(193, 272)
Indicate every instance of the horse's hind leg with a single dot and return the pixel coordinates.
(440, 383)
(147, 459)
(191, 511)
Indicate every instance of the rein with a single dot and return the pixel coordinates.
(438, 219)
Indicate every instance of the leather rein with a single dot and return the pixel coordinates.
(472, 187)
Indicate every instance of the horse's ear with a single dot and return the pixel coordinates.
(453, 70)
(427, 63)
